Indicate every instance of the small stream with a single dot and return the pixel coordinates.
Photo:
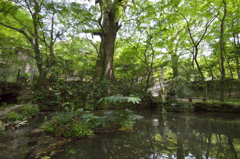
(157, 136)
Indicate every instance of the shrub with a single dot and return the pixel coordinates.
(79, 124)
(67, 125)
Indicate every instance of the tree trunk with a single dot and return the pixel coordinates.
(106, 55)
(230, 83)
(222, 56)
(109, 28)
(237, 67)
(237, 52)
(174, 59)
(200, 72)
(38, 56)
(109, 51)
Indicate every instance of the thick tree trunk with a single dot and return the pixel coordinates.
(106, 55)
(108, 35)
(109, 48)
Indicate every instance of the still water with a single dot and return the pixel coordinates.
(157, 136)
(165, 136)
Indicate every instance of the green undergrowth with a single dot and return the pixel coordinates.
(177, 106)
(233, 103)
(4, 105)
(23, 113)
(207, 106)
(18, 117)
(120, 119)
(80, 123)
(60, 94)
(67, 125)
(217, 107)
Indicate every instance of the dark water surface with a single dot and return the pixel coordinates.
(157, 136)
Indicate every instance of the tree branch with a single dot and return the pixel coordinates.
(21, 23)
(20, 31)
(100, 18)
(98, 33)
(189, 31)
(93, 45)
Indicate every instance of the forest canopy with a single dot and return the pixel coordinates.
(194, 40)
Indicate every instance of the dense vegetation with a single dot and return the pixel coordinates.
(81, 52)
(136, 39)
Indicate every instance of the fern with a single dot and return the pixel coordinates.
(120, 98)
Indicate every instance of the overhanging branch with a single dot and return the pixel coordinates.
(20, 31)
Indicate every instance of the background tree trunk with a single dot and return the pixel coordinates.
(222, 56)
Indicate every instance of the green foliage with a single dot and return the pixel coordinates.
(177, 106)
(68, 125)
(79, 94)
(120, 98)
(29, 110)
(2, 128)
(183, 88)
(81, 123)
(91, 120)
(3, 105)
(21, 116)
(160, 97)
(121, 119)
(14, 116)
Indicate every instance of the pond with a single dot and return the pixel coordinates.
(157, 136)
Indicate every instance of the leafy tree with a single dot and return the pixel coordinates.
(196, 37)
(39, 29)
(106, 26)
(75, 54)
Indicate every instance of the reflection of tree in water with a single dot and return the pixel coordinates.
(164, 136)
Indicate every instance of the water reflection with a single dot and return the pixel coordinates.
(165, 137)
